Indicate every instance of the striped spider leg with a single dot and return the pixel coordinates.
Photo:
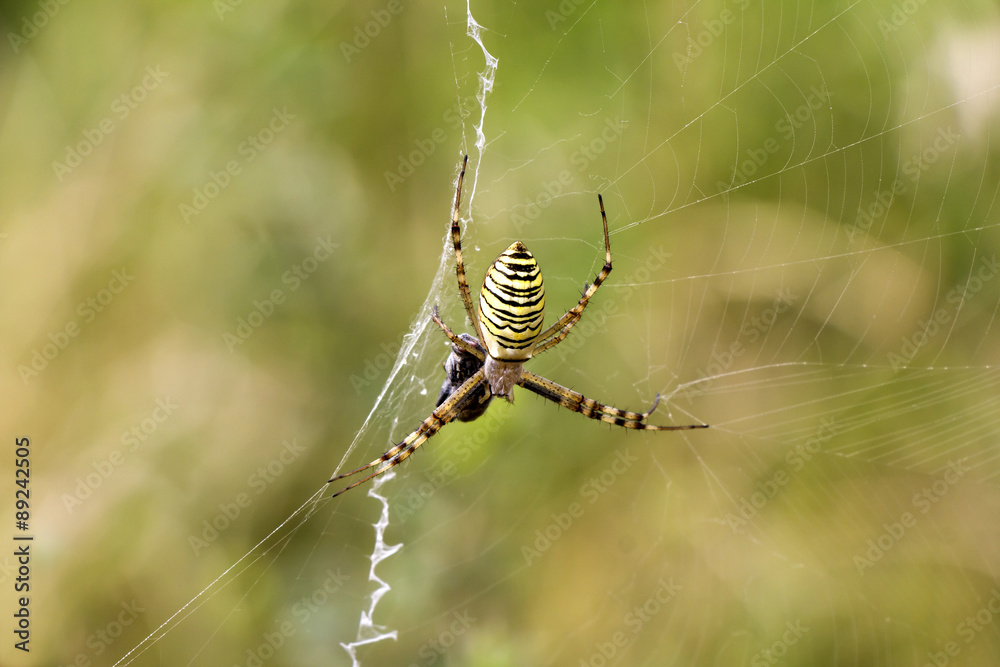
(467, 348)
(445, 412)
(508, 333)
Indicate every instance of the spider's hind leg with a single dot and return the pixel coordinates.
(577, 402)
(441, 415)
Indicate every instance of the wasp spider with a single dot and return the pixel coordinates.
(508, 333)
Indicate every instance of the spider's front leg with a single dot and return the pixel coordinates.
(556, 333)
(456, 239)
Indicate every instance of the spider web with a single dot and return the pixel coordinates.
(802, 198)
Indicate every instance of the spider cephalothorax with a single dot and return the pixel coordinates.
(508, 333)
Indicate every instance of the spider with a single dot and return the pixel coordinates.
(508, 333)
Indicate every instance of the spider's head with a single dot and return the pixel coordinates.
(512, 304)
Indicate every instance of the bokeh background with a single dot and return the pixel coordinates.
(223, 227)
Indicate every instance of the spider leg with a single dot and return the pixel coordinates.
(456, 238)
(558, 331)
(454, 338)
(590, 408)
(395, 455)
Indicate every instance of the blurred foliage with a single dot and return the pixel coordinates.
(221, 220)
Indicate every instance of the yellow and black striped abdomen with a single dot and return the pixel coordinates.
(512, 304)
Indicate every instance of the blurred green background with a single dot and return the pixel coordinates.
(223, 227)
